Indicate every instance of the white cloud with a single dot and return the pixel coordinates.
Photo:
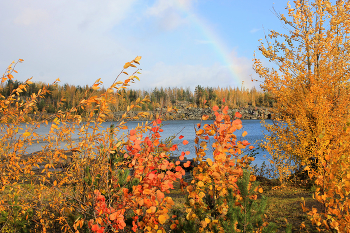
(31, 16)
(169, 13)
(242, 67)
(72, 40)
(165, 75)
(81, 41)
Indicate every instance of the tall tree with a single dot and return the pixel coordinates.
(309, 82)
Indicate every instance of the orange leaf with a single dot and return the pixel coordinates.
(151, 176)
(113, 216)
(244, 134)
(153, 208)
(185, 142)
(160, 195)
(205, 117)
(245, 143)
(187, 164)
(182, 156)
(215, 108)
(95, 87)
(132, 132)
(238, 115)
(173, 226)
(127, 65)
(95, 227)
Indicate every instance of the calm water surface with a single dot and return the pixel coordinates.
(185, 128)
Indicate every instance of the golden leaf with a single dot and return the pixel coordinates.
(210, 162)
(138, 58)
(162, 219)
(127, 65)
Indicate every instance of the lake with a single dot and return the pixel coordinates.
(185, 128)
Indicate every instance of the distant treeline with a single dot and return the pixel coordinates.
(177, 96)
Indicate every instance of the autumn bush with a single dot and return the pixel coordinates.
(106, 180)
(309, 82)
(64, 190)
(210, 204)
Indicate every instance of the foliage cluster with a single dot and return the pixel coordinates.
(107, 180)
(310, 86)
(213, 192)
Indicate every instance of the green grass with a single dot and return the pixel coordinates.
(284, 206)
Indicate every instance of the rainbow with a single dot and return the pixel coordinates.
(212, 36)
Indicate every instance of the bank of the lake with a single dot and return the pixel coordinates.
(191, 113)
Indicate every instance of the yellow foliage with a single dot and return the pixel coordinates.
(310, 87)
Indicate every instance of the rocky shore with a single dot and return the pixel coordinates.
(190, 113)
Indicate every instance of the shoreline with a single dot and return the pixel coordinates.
(248, 113)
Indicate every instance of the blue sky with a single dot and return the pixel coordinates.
(182, 42)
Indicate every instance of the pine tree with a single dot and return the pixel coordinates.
(245, 213)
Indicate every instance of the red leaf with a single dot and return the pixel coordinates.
(245, 143)
(182, 155)
(95, 227)
(174, 147)
(187, 164)
(152, 176)
(215, 108)
(181, 137)
(132, 132)
(238, 115)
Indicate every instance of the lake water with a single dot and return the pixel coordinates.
(253, 127)
(186, 128)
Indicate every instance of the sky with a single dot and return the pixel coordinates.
(183, 43)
